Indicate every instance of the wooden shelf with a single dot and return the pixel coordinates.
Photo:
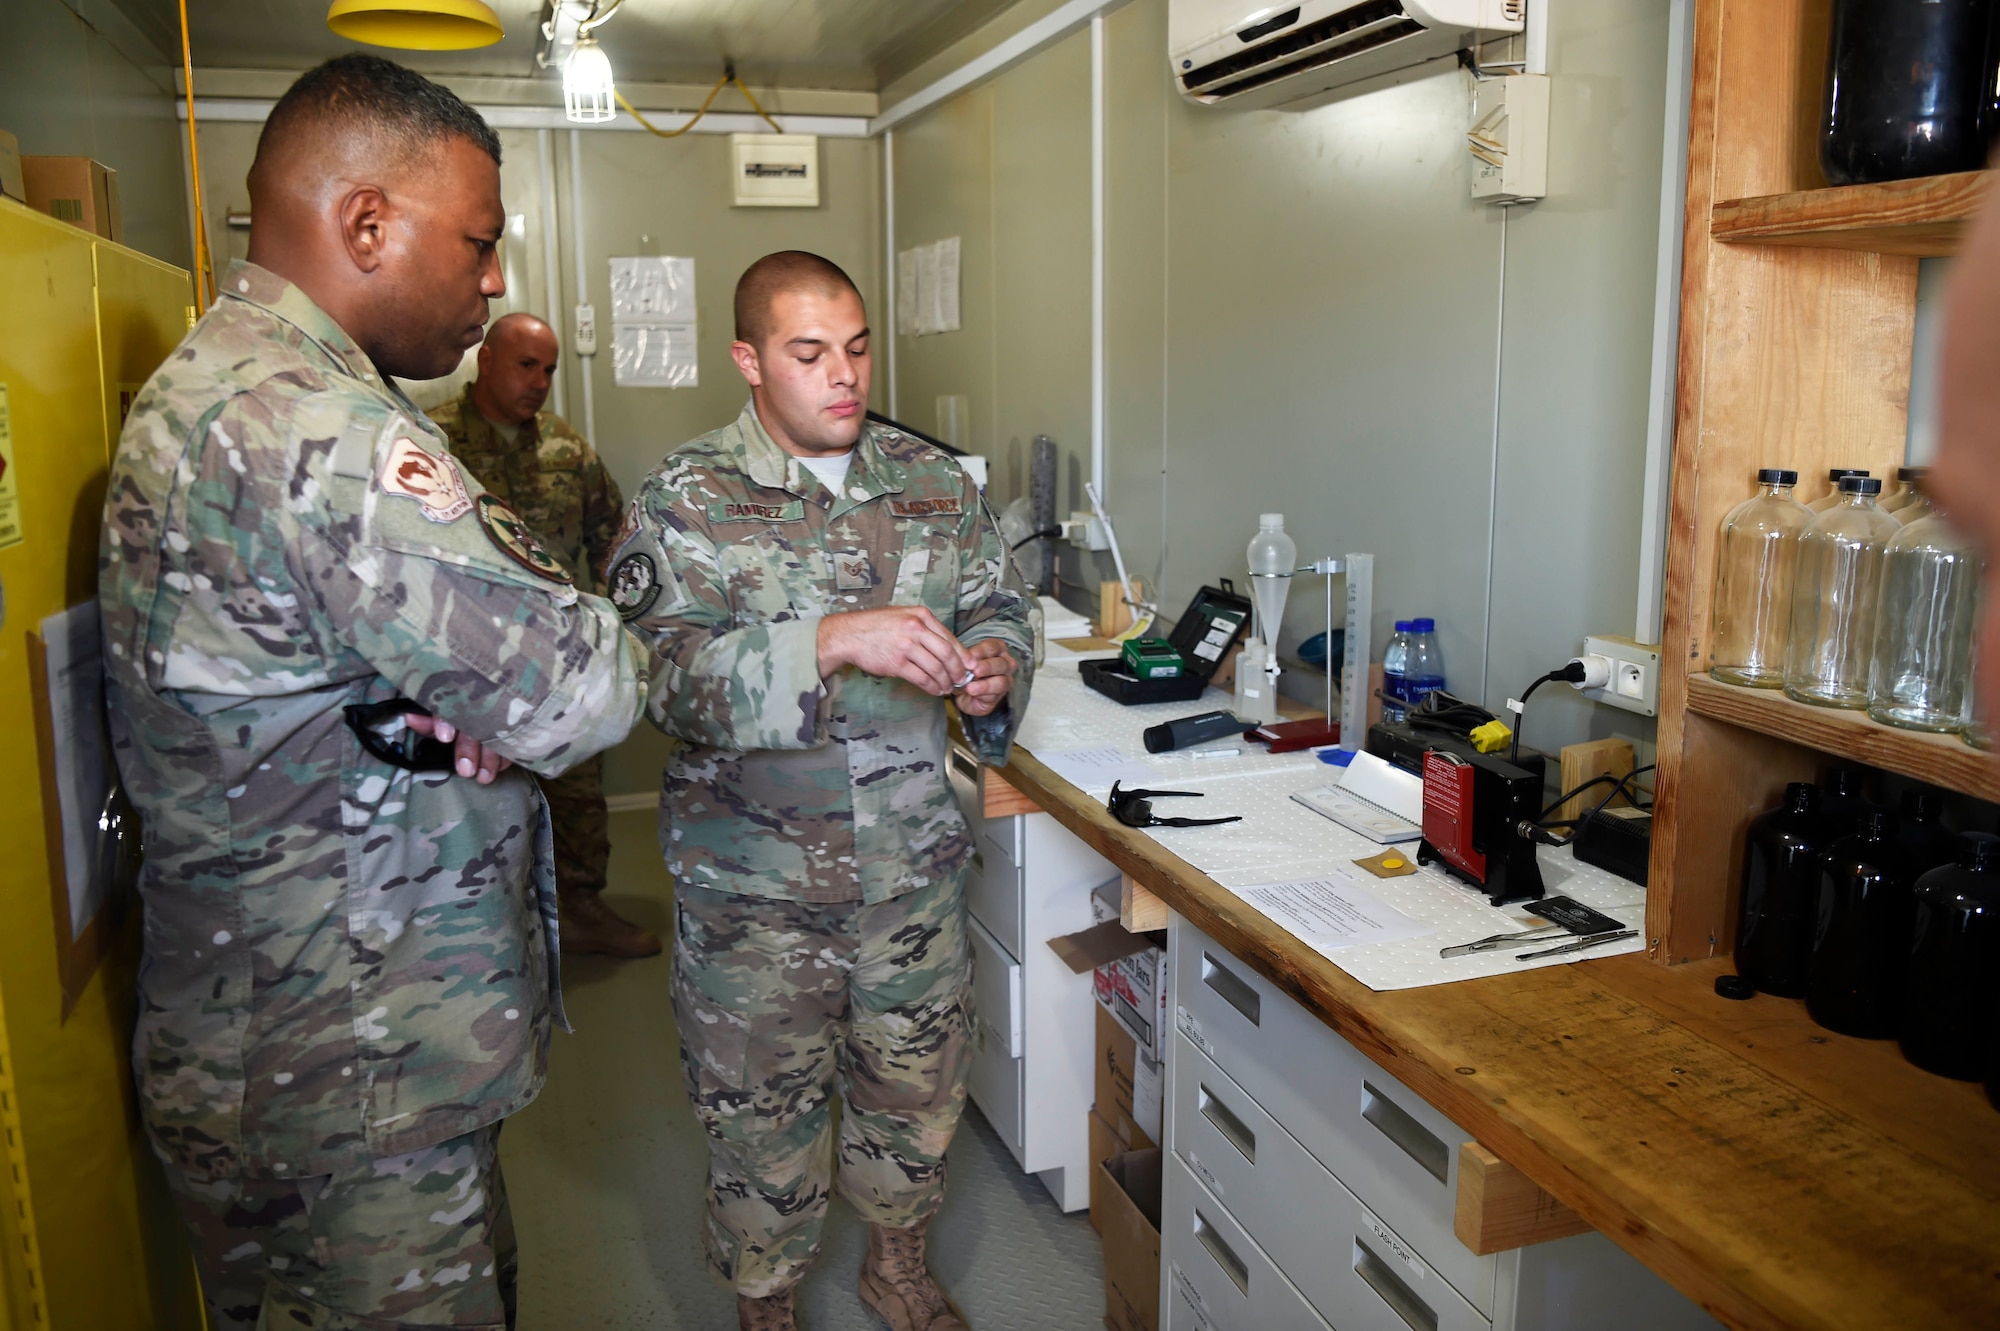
(1941, 760)
(1924, 217)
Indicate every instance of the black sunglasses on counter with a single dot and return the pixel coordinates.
(1134, 808)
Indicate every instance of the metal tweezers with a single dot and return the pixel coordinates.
(1501, 940)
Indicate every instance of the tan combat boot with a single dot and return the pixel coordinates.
(588, 925)
(898, 1287)
(773, 1312)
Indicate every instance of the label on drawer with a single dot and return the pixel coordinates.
(1394, 1246)
(1204, 1173)
(1191, 1028)
(1192, 1298)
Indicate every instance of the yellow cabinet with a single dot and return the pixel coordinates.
(90, 1239)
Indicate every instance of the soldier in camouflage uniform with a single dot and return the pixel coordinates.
(348, 978)
(552, 477)
(813, 588)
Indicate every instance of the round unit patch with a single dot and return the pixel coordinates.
(517, 542)
(635, 585)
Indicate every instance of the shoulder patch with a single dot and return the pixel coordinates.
(635, 585)
(742, 510)
(951, 507)
(517, 542)
(432, 480)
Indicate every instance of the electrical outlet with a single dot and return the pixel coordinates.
(1635, 674)
(1085, 532)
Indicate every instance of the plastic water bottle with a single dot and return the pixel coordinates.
(1424, 673)
(1395, 667)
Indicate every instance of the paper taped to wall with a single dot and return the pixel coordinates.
(927, 288)
(653, 330)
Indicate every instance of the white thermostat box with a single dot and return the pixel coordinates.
(775, 170)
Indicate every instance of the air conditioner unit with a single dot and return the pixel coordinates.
(1227, 54)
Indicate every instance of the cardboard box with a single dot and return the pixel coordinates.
(1129, 971)
(1103, 1145)
(11, 183)
(1131, 1229)
(76, 190)
(1130, 1087)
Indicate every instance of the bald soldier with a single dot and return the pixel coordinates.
(814, 587)
(552, 477)
(325, 647)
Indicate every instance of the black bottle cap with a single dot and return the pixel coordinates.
(1734, 986)
(1834, 474)
(1845, 781)
(1872, 822)
(1860, 485)
(1923, 806)
(1802, 797)
(1777, 476)
(1981, 851)
(1908, 474)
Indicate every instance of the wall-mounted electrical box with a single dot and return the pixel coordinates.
(1634, 681)
(775, 170)
(1509, 138)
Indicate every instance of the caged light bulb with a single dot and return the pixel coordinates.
(587, 84)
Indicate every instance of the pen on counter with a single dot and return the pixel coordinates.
(1216, 753)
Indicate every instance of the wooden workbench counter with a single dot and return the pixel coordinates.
(1777, 1174)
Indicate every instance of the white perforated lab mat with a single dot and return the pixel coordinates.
(1066, 715)
(1281, 841)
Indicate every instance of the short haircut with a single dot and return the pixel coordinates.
(776, 274)
(365, 95)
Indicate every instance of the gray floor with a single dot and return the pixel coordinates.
(606, 1171)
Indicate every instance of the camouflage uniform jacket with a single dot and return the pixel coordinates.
(787, 785)
(550, 475)
(343, 959)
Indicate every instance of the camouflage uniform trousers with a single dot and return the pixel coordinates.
(582, 827)
(779, 1001)
(405, 1241)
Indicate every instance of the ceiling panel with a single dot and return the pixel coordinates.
(775, 43)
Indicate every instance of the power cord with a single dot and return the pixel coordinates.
(728, 77)
(1574, 673)
(1539, 830)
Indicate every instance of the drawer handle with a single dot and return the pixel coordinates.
(1232, 1265)
(1233, 1129)
(1402, 1300)
(965, 765)
(1416, 1141)
(1232, 988)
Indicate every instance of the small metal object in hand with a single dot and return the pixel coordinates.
(971, 673)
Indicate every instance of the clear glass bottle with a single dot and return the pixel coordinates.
(1835, 593)
(1971, 726)
(1753, 583)
(1909, 481)
(1831, 499)
(1923, 631)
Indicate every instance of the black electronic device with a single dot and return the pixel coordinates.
(1185, 731)
(1618, 841)
(1402, 745)
(1204, 635)
(1477, 816)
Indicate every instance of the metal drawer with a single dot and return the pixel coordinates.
(1380, 1139)
(1217, 1278)
(1356, 1270)
(993, 892)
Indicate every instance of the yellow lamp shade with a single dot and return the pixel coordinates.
(416, 25)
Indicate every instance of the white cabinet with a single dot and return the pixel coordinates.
(1292, 1145)
(1031, 1074)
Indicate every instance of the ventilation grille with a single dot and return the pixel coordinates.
(1352, 31)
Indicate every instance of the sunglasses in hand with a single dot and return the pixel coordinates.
(1134, 808)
